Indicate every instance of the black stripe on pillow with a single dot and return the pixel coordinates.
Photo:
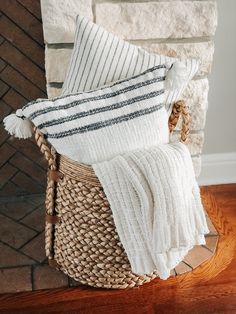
(101, 109)
(161, 66)
(106, 123)
(95, 98)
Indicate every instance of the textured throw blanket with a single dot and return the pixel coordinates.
(156, 206)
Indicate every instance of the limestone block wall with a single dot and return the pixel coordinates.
(175, 28)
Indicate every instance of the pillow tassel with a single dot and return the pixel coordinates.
(176, 76)
(17, 125)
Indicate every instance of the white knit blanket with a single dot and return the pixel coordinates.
(156, 206)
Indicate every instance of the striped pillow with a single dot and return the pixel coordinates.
(100, 57)
(97, 125)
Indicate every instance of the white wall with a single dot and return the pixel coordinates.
(220, 130)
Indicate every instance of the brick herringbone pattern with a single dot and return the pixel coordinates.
(23, 264)
(22, 78)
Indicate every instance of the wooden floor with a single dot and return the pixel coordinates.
(211, 288)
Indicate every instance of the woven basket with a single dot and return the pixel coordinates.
(80, 236)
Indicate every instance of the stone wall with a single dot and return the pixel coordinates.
(174, 28)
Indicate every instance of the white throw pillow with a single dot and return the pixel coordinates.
(94, 126)
(100, 57)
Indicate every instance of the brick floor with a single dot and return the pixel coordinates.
(16, 210)
(13, 233)
(23, 264)
(35, 248)
(11, 257)
(35, 219)
(46, 277)
(15, 279)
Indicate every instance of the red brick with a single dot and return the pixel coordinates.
(3, 88)
(36, 248)
(15, 279)
(182, 268)
(10, 257)
(23, 18)
(31, 150)
(14, 99)
(21, 84)
(26, 185)
(4, 110)
(22, 64)
(1, 40)
(6, 151)
(17, 209)
(211, 227)
(36, 219)
(74, 283)
(46, 277)
(38, 200)
(211, 242)
(32, 6)
(2, 64)
(6, 172)
(197, 255)
(29, 167)
(14, 233)
(3, 134)
(22, 41)
(9, 189)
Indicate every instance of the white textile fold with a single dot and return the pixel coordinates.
(156, 206)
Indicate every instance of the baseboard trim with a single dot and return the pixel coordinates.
(218, 169)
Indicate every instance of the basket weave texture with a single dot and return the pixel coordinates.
(80, 236)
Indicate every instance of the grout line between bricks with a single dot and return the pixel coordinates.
(36, 182)
(9, 87)
(18, 92)
(27, 56)
(3, 61)
(22, 224)
(34, 237)
(10, 65)
(29, 213)
(32, 276)
(16, 266)
(5, 199)
(187, 264)
(15, 249)
(28, 157)
(2, 187)
(17, 25)
(39, 19)
(207, 248)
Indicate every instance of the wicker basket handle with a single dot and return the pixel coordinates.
(180, 108)
(48, 152)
